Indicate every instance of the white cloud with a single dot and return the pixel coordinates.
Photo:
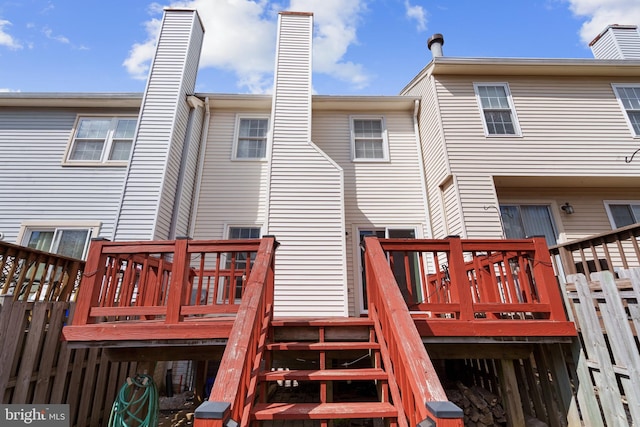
(48, 32)
(600, 13)
(6, 39)
(5, 90)
(240, 37)
(418, 14)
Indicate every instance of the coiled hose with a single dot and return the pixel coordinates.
(136, 404)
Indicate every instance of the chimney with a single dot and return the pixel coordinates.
(435, 43)
(617, 42)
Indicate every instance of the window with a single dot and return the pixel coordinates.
(102, 140)
(241, 262)
(251, 138)
(67, 241)
(629, 98)
(496, 105)
(368, 139)
(522, 221)
(622, 214)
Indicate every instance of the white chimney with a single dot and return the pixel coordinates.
(617, 42)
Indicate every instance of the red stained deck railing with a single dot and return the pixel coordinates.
(415, 380)
(32, 275)
(235, 386)
(166, 281)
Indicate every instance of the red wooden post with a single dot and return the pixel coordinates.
(212, 414)
(546, 281)
(90, 284)
(179, 279)
(459, 279)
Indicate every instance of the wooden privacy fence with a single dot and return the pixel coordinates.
(607, 313)
(36, 367)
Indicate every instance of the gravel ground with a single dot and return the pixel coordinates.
(177, 410)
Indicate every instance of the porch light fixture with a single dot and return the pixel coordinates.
(567, 208)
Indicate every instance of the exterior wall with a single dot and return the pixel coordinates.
(35, 184)
(377, 194)
(230, 192)
(571, 127)
(434, 158)
(305, 196)
(148, 201)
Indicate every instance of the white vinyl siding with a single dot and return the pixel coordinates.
(149, 197)
(629, 98)
(376, 195)
(618, 42)
(498, 112)
(35, 185)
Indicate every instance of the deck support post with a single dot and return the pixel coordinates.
(510, 393)
(213, 414)
(459, 278)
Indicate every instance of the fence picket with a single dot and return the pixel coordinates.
(596, 350)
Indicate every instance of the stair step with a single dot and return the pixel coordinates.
(365, 374)
(325, 321)
(336, 345)
(322, 411)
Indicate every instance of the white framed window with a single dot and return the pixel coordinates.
(629, 98)
(102, 140)
(67, 239)
(521, 221)
(369, 138)
(498, 112)
(226, 286)
(623, 212)
(251, 136)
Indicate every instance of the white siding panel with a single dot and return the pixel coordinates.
(377, 194)
(305, 210)
(479, 206)
(231, 192)
(35, 185)
(148, 201)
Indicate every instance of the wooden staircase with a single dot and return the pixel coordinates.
(315, 371)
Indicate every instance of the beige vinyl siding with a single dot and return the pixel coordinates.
(434, 154)
(147, 204)
(479, 207)
(572, 122)
(450, 201)
(305, 210)
(377, 194)
(231, 192)
(34, 184)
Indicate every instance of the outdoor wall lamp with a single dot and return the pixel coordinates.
(567, 208)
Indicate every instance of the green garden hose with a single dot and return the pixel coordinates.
(136, 404)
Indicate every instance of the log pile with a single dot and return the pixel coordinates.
(481, 407)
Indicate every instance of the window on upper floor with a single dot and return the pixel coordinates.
(497, 109)
(251, 138)
(102, 140)
(369, 139)
(522, 221)
(623, 213)
(629, 98)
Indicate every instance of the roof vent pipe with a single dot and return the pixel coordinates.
(435, 43)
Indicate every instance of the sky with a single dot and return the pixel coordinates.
(361, 47)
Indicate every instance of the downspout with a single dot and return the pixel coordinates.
(423, 180)
(194, 102)
(203, 149)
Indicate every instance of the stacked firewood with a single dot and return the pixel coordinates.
(481, 407)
